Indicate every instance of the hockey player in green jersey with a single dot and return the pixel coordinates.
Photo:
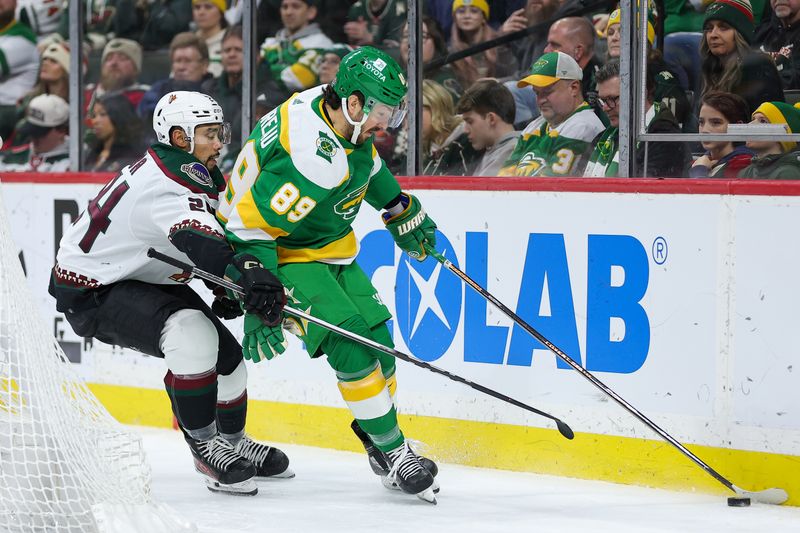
(559, 141)
(294, 192)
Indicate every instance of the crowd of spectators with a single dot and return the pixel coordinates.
(543, 104)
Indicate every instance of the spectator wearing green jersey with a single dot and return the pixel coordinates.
(292, 55)
(19, 63)
(661, 159)
(775, 160)
(558, 142)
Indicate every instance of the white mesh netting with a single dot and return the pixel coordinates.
(66, 465)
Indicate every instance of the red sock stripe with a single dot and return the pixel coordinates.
(191, 382)
(233, 404)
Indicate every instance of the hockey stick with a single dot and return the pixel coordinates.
(773, 496)
(563, 428)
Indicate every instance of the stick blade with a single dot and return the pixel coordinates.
(772, 496)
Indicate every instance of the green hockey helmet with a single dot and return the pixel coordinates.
(379, 79)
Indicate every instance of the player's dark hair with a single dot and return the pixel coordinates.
(333, 100)
(486, 96)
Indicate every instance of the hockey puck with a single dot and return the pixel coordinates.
(738, 502)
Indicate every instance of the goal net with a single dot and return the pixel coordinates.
(66, 465)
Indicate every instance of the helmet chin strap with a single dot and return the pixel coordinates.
(356, 125)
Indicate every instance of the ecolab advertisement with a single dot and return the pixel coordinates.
(681, 303)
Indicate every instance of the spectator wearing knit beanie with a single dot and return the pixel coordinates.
(729, 63)
(774, 159)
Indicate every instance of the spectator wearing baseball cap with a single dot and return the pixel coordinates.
(558, 142)
(774, 159)
(47, 125)
(729, 64)
(120, 66)
(53, 79)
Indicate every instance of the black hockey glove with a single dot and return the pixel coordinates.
(263, 291)
(224, 307)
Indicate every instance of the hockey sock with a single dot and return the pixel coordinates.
(232, 403)
(231, 416)
(194, 402)
(363, 385)
(380, 333)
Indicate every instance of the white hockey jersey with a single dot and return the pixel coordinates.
(147, 205)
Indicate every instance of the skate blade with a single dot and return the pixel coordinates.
(247, 487)
(392, 485)
(286, 474)
(427, 495)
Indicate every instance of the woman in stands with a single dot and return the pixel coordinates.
(471, 27)
(722, 159)
(729, 63)
(117, 135)
(209, 19)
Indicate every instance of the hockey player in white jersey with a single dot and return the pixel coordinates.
(109, 289)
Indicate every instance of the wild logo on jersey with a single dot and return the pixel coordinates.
(326, 147)
(530, 165)
(347, 208)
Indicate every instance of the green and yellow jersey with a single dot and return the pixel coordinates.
(543, 150)
(298, 185)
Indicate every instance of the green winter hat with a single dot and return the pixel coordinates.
(782, 113)
(737, 13)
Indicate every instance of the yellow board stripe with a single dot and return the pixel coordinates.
(343, 248)
(651, 463)
(364, 388)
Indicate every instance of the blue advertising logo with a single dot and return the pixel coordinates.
(428, 301)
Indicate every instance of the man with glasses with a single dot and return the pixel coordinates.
(663, 159)
(110, 290)
(291, 200)
(557, 142)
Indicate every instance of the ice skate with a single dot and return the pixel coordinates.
(380, 463)
(408, 473)
(270, 462)
(223, 469)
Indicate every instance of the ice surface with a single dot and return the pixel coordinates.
(337, 492)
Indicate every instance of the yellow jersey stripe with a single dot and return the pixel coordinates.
(343, 248)
(251, 216)
(284, 136)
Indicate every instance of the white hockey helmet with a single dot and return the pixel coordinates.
(187, 110)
